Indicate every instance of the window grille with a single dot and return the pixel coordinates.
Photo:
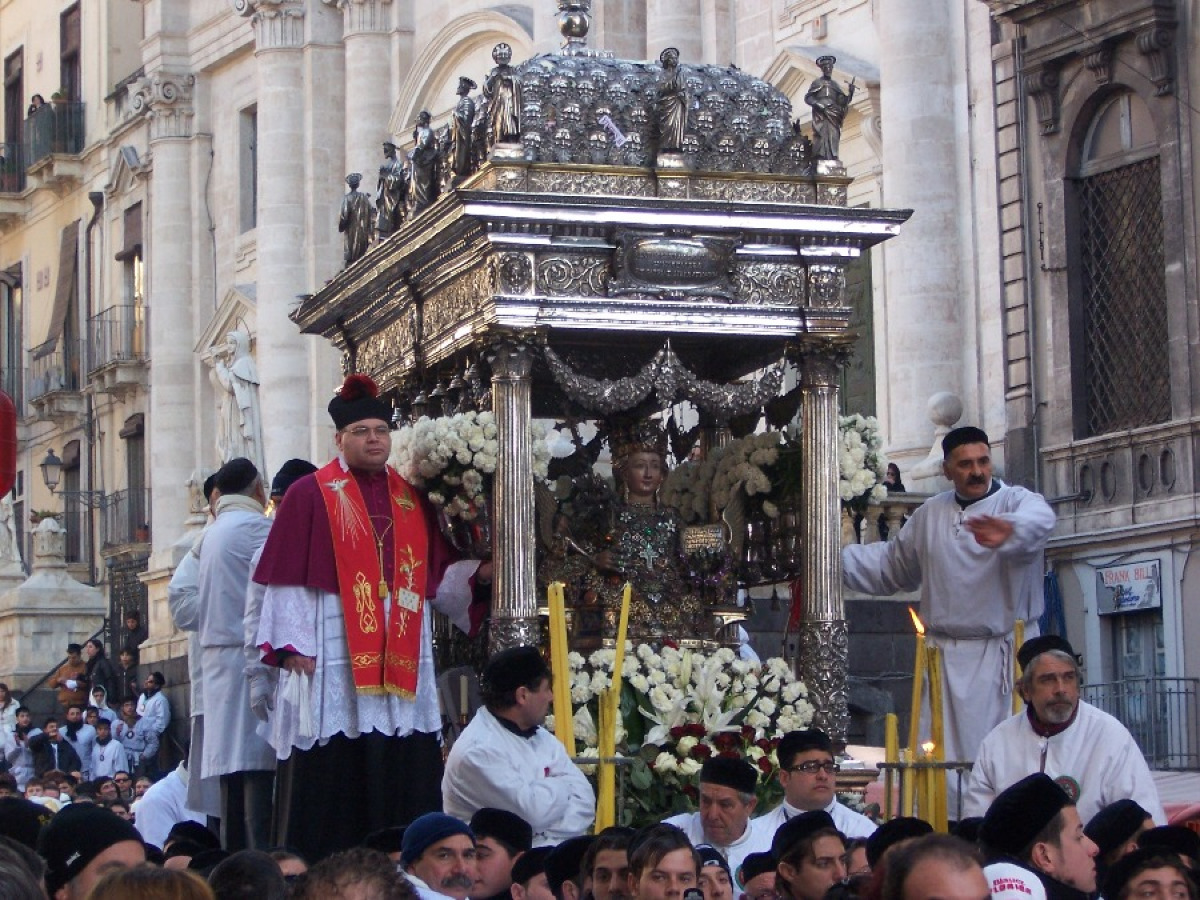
(1124, 305)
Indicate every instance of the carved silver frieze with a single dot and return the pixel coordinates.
(826, 286)
(657, 263)
(386, 347)
(823, 653)
(757, 191)
(770, 284)
(457, 301)
(564, 181)
(514, 273)
(572, 275)
(506, 633)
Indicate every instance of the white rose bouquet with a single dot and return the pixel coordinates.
(862, 464)
(454, 459)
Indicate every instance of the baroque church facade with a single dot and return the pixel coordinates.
(184, 178)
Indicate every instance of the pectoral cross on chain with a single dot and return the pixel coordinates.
(649, 554)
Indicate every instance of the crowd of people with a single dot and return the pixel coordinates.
(316, 769)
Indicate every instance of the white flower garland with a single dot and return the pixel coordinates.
(862, 465)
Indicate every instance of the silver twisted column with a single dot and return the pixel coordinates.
(514, 601)
(823, 637)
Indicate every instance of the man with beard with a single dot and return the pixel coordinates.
(82, 737)
(1085, 750)
(976, 554)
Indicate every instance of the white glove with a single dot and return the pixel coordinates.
(72, 684)
(262, 694)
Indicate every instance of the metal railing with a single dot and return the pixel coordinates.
(55, 127)
(12, 168)
(118, 334)
(1162, 714)
(53, 366)
(126, 518)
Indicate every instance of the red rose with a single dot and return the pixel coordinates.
(747, 733)
(730, 754)
(725, 742)
(678, 731)
(764, 745)
(701, 752)
(694, 729)
(765, 765)
(691, 791)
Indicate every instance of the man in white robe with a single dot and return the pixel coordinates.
(505, 759)
(1087, 752)
(324, 723)
(233, 750)
(727, 801)
(808, 774)
(976, 554)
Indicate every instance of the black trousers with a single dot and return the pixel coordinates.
(329, 798)
(247, 801)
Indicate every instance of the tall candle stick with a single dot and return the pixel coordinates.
(907, 773)
(610, 710)
(564, 714)
(891, 754)
(938, 734)
(1018, 640)
(918, 674)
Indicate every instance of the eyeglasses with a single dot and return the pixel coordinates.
(362, 431)
(812, 767)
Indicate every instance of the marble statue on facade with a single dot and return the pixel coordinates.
(829, 104)
(239, 412)
(355, 220)
(390, 193)
(462, 161)
(502, 88)
(423, 188)
(10, 546)
(671, 104)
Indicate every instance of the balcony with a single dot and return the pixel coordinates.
(12, 182)
(1162, 714)
(126, 520)
(54, 138)
(117, 350)
(53, 385)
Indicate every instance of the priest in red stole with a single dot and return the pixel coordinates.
(351, 566)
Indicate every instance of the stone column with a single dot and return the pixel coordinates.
(368, 84)
(514, 601)
(165, 96)
(926, 337)
(823, 638)
(675, 23)
(281, 353)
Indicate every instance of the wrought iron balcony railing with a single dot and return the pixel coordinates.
(118, 334)
(1162, 714)
(54, 366)
(56, 127)
(126, 518)
(12, 168)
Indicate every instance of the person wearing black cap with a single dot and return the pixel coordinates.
(1149, 873)
(505, 758)
(809, 856)
(1115, 831)
(438, 856)
(1084, 749)
(565, 875)
(351, 561)
(83, 843)
(808, 774)
(500, 838)
(975, 552)
(715, 878)
(233, 751)
(529, 876)
(727, 801)
(756, 875)
(1034, 825)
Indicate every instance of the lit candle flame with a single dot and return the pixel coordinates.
(928, 747)
(916, 621)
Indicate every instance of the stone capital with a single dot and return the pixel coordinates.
(278, 24)
(165, 98)
(511, 360)
(364, 16)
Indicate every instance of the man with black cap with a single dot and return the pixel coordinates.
(505, 758)
(1115, 830)
(529, 876)
(233, 750)
(565, 875)
(1149, 873)
(809, 856)
(353, 556)
(81, 845)
(757, 877)
(1033, 825)
(500, 839)
(1085, 750)
(808, 774)
(727, 800)
(438, 857)
(976, 554)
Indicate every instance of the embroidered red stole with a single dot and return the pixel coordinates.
(383, 662)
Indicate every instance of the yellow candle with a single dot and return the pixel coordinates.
(564, 715)
(938, 732)
(891, 754)
(918, 674)
(610, 711)
(1018, 640)
(927, 798)
(906, 784)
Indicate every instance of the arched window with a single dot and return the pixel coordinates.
(1122, 283)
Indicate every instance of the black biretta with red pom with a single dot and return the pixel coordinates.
(358, 399)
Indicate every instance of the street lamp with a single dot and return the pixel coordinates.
(51, 468)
